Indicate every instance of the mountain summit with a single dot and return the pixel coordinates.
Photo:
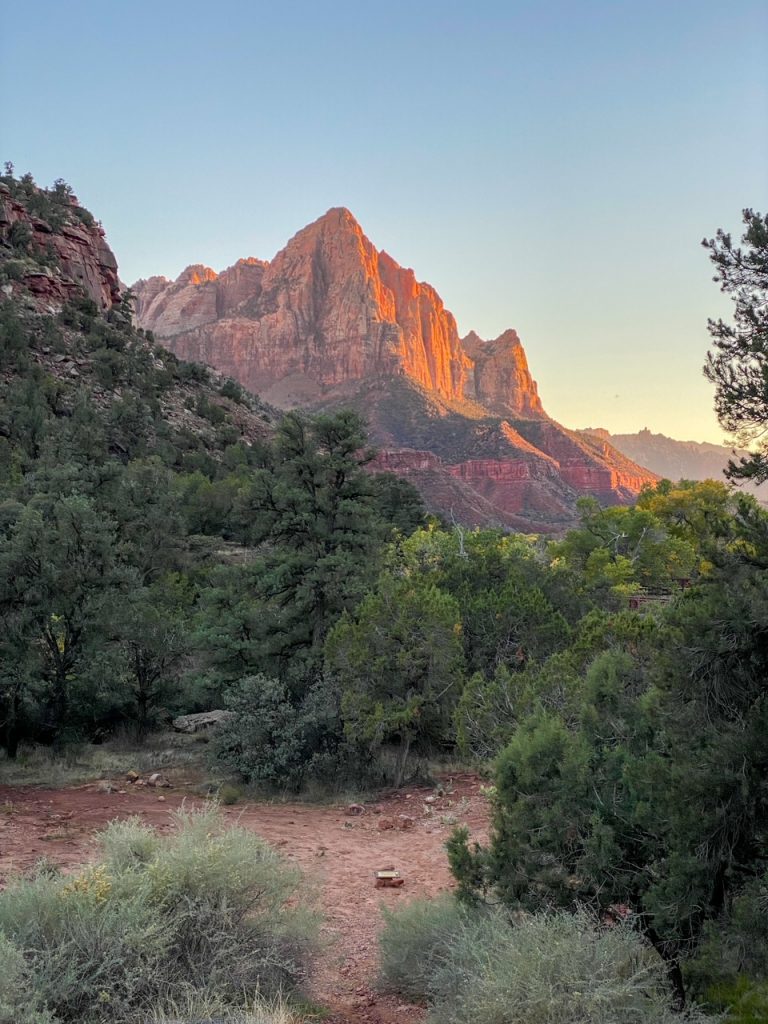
(332, 320)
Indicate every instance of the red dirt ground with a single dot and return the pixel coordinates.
(340, 852)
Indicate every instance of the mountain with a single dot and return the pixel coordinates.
(333, 321)
(677, 460)
(69, 345)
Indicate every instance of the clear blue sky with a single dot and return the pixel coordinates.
(548, 166)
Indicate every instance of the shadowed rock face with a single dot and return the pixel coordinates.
(332, 321)
(80, 256)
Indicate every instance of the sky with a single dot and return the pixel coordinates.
(548, 166)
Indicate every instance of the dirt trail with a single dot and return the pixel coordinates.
(338, 851)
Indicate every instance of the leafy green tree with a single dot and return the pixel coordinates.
(400, 663)
(152, 636)
(619, 549)
(510, 604)
(738, 362)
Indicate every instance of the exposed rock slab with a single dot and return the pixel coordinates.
(201, 720)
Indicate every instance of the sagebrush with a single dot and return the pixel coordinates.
(209, 911)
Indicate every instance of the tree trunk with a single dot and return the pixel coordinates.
(12, 728)
(672, 964)
(402, 761)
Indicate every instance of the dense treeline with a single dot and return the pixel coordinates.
(162, 538)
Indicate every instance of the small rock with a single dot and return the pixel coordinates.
(355, 810)
(385, 823)
(161, 799)
(404, 821)
(132, 776)
(158, 781)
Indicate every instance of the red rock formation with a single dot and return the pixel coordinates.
(82, 258)
(329, 307)
(502, 381)
(330, 316)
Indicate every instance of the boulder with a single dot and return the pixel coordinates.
(202, 720)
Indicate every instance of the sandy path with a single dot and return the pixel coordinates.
(337, 851)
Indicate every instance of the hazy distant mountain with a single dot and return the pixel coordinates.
(677, 460)
(332, 321)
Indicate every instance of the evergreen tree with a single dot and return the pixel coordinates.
(400, 663)
(738, 364)
(312, 511)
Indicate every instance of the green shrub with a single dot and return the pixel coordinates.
(196, 1010)
(228, 795)
(745, 1000)
(203, 912)
(478, 967)
(419, 941)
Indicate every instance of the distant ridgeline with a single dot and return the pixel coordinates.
(679, 460)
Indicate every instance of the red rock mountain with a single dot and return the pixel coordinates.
(333, 321)
(79, 255)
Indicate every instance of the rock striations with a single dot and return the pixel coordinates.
(333, 321)
(77, 251)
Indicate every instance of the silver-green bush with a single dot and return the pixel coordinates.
(480, 968)
(204, 911)
(18, 1002)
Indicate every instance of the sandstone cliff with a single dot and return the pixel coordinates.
(328, 309)
(56, 249)
(333, 321)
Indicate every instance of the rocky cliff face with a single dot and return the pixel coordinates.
(57, 254)
(333, 321)
(328, 309)
(501, 380)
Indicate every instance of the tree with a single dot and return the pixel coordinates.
(400, 663)
(312, 511)
(58, 575)
(738, 364)
(150, 632)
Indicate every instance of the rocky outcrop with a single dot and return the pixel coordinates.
(501, 380)
(201, 720)
(332, 321)
(55, 260)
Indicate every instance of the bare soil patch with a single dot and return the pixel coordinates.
(338, 851)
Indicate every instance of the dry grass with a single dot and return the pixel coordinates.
(174, 754)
